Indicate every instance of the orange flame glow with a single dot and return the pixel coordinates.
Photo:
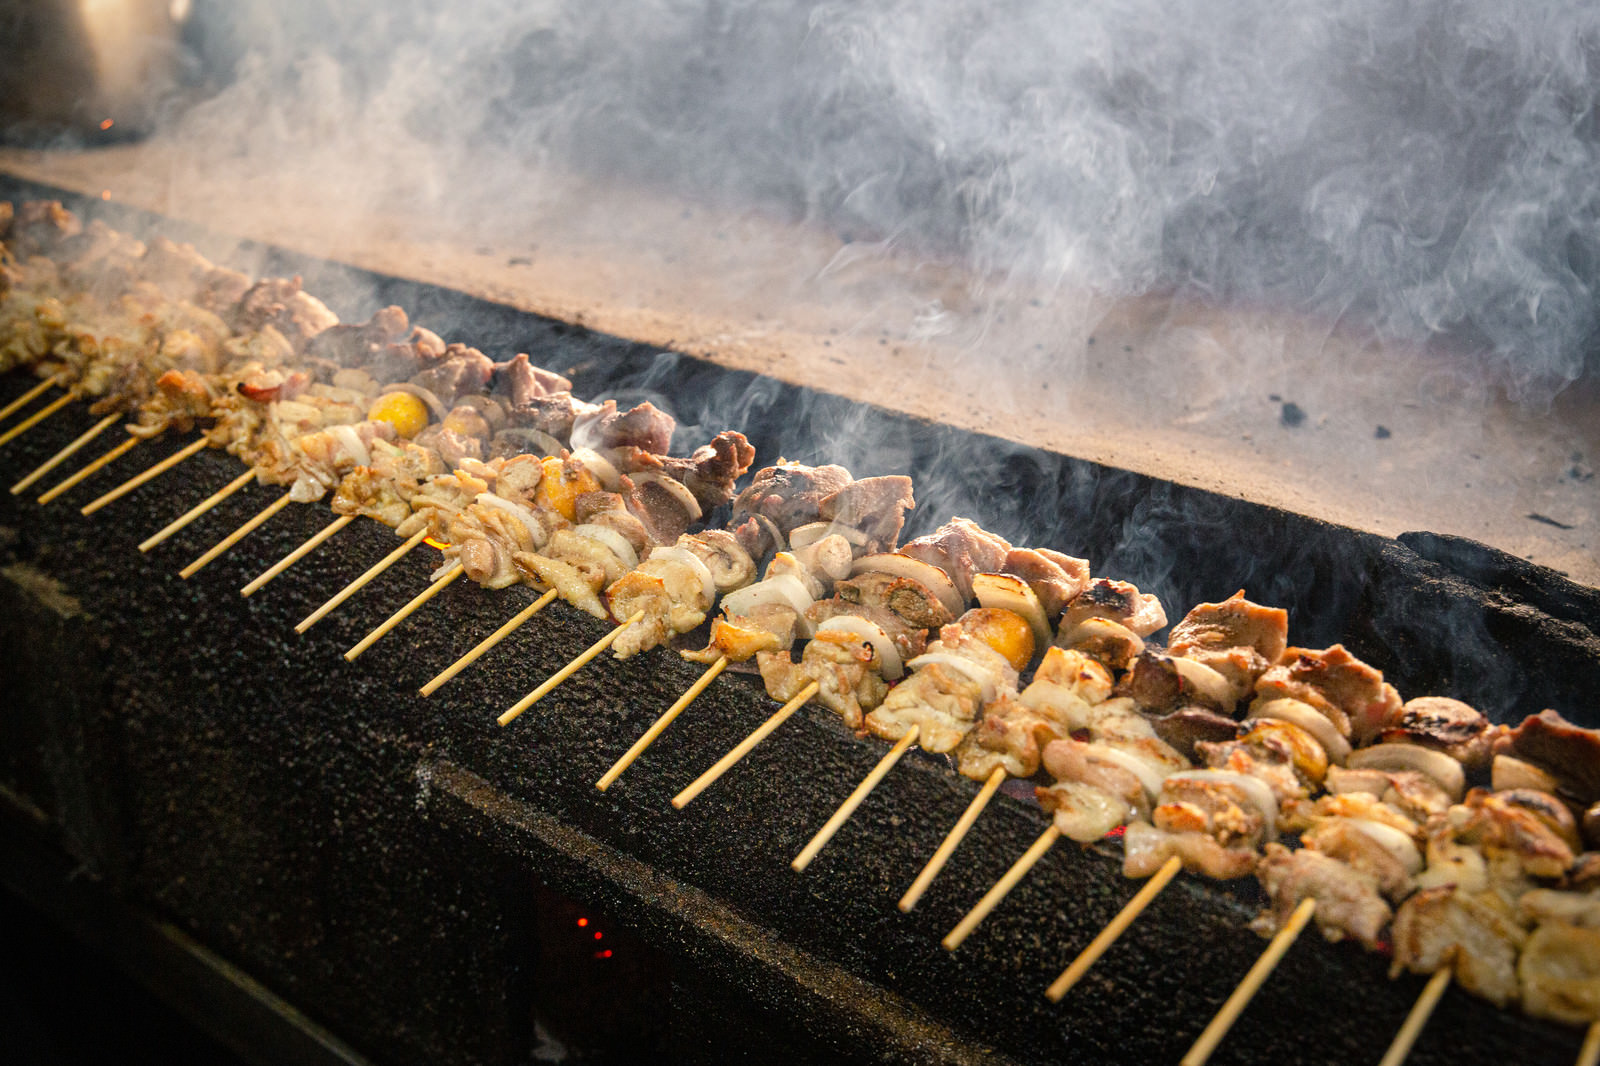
(105, 194)
(440, 544)
(107, 124)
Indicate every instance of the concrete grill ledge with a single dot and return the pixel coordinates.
(376, 859)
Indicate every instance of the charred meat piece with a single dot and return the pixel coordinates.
(1189, 726)
(1162, 683)
(1517, 826)
(789, 494)
(554, 414)
(1237, 638)
(1116, 601)
(874, 506)
(1349, 904)
(1569, 752)
(1446, 725)
(961, 548)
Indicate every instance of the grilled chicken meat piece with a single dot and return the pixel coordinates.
(1189, 726)
(519, 382)
(1559, 974)
(908, 599)
(789, 494)
(873, 506)
(1471, 933)
(1349, 904)
(1237, 638)
(284, 305)
(844, 666)
(709, 472)
(1115, 601)
(1352, 695)
(1146, 848)
(961, 548)
(941, 701)
(1446, 725)
(1066, 688)
(1055, 578)
(357, 345)
(1568, 752)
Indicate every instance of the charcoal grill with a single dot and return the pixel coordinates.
(389, 866)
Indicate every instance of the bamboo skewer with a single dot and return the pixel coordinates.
(236, 536)
(744, 747)
(488, 642)
(34, 419)
(139, 479)
(436, 586)
(848, 807)
(197, 510)
(1203, 1047)
(1117, 926)
(1421, 1011)
(660, 725)
(361, 582)
(103, 461)
(1002, 888)
(299, 553)
(566, 671)
(64, 454)
(953, 839)
(1589, 1054)
(28, 397)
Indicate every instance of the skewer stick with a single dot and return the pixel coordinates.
(722, 765)
(1421, 1011)
(236, 536)
(1001, 889)
(198, 509)
(488, 642)
(28, 397)
(848, 807)
(139, 479)
(953, 839)
(1118, 925)
(436, 586)
(361, 582)
(566, 671)
(72, 479)
(660, 724)
(34, 419)
(1202, 1049)
(64, 454)
(1589, 1054)
(299, 553)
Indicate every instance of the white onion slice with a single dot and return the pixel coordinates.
(1148, 775)
(530, 521)
(987, 679)
(614, 541)
(1392, 840)
(350, 441)
(1508, 772)
(1206, 681)
(1302, 714)
(935, 580)
(674, 488)
(873, 634)
(784, 589)
(601, 467)
(811, 532)
(1011, 593)
(1258, 791)
(689, 559)
(1395, 757)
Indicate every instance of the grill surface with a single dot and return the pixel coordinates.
(369, 854)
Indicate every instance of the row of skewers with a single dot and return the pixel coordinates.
(922, 644)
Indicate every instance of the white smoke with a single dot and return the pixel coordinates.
(1417, 168)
